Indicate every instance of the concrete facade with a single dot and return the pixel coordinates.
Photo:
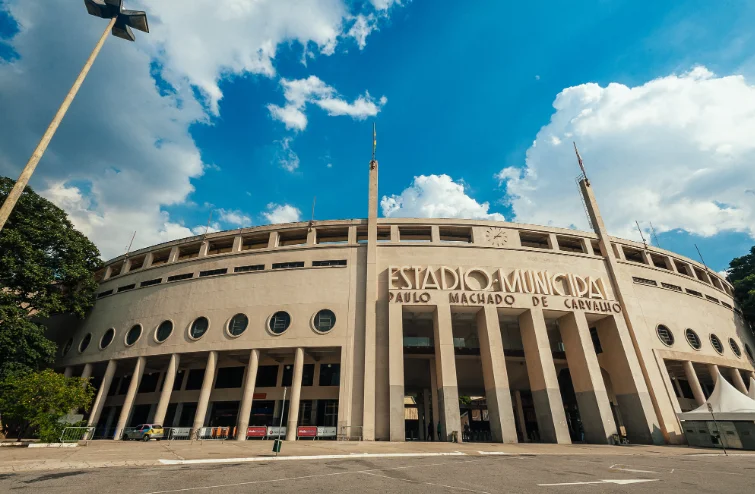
(479, 330)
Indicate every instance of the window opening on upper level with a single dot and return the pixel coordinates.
(701, 275)
(137, 262)
(458, 234)
(256, 241)
(126, 288)
(332, 235)
(644, 281)
(712, 299)
(534, 239)
(570, 244)
(105, 293)
(178, 277)
(246, 269)
(156, 281)
(694, 292)
(160, 257)
(676, 288)
(115, 269)
(596, 248)
(726, 305)
(383, 234)
(634, 255)
(213, 272)
(220, 246)
(415, 234)
(716, 282)
(292, 237)
(659, 261)
(188, 251)
(284, 265)
(330, 262)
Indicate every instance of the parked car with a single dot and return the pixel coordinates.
(145, 432)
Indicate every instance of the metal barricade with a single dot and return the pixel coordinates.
(213, 433)
(177, 433)
(76, 434)
(350, 433)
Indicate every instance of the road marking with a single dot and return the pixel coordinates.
(494, 453)
(618, 466)
(426, 483)
(312, 457)
(606, 481)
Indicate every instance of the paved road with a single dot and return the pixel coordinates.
(480, 474)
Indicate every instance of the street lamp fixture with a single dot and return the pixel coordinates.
(120, 23)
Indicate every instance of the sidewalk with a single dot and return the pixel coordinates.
(99, 454)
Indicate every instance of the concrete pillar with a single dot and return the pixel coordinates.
(128, 402)
(520, 416)
(126, 266)
(678, 387)
(204, 247)
(421, 418)
(204, 393)
(148, 260)
(238, 241)
(396, 371)
(272, 241)
(293, 409)
(68, 371)
(245, 407)
(694, 382)
(168, 381)
(99, 400)
(370, 310)
(445, 366)
(736, 378)
(592, 398)
(87, 372)
(632, 396)
(714, 372)
(546, 394)
(173, 256)
(434, 396)
(428, 414)
(495, 376)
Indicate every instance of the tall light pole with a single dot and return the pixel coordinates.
(121, 22)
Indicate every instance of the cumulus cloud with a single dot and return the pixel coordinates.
(287, 158)
(362, 27)
(301, 92)
(281, 213)
(677, 151)
(384, 4)
(234, 217)
(436, 196)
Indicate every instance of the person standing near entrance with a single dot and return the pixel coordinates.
(430, 431)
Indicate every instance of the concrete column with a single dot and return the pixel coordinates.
(108, 272)
(445, 366)
(99, 401)
(272, 241)
(245, 407)
(204, 248)
(87, 372)
(293, 409)
(435, 234)
(148, 260)
(68, 371)
(238, 241)
(420, 419)
(520, 416)
(204, 393)
(128, 402)
(434, 396)
(694, 383)
(126, 266)
(396, 371)
(546, 394)
(736, 378)
(592, 398)
(714, 372)
(428, 414)
(168, 381)
(495, 376)
(173, 256)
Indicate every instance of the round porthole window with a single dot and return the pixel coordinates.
(692, 339)
(85, 342)
(735, 348)
(67, 347)
(279, 322)
(199, 327)
(133, 334)
(237, 324)
(748, 351)
(717, 345)
(164, 330)
(665, 335)
(107, 338)
(324, 321)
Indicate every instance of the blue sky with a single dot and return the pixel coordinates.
(469, 91)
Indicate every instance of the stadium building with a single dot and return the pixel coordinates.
(409, 329)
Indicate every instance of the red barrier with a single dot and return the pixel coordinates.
(306, 431)
(256, 431)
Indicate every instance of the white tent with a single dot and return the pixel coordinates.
(728, 404)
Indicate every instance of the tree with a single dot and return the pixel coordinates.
(741, 274)
(40, 399)
(46, 267)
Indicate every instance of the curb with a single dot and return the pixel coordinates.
(38, 445)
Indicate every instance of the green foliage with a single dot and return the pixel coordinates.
(742, 275)
(41, 399)
(46, 267)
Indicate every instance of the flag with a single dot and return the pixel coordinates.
(579, 159)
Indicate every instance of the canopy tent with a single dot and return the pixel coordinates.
(728, 404)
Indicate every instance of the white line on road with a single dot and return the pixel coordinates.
(312, 457)
(426, 483)
(619, 466)
(494, 453)
(606, 481)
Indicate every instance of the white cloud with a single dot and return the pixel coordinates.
(384, 4)
(300, 92)
(287, 158)
(234, 217)
(281, 213)
(436, 196)
(677, 151)
(362, 27)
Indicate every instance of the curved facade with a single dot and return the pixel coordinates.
(378, 327)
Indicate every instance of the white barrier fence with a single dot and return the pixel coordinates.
(350, 433)
(76, 434)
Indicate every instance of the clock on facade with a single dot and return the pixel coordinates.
(496, 236)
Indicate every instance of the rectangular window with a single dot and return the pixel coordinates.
(160, 257)
(220, 246)
(570, 244)
(682, 268)
(267, 376)
(534, 240)
(332, 235)
(307, 376)
(383, 234)
(194, 381)
(596, 247)
(137, 263)
(676, 288)
(712, 299)
(229, 377)
(115, 269)
(149, 383)
(659, 261)
(414, 234)
(694, 292)
(156, 281)
(294, 237)
(256, 241)
(213, 272)
(644, 281)
(461, 235)
(105, 293)
(285, 265)
(330, 375)
(126, 288)
(633, 255)
(189, 252)
(178, 277)
(726, 305)
(246, 269)
(333, 262)
(701, 276)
